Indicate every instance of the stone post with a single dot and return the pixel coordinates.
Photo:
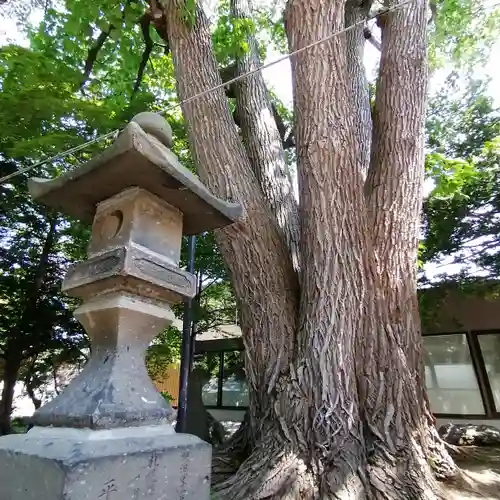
(108, 435)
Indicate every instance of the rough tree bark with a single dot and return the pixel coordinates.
(356, 11)
(262, 140)
(263, 144)
(338, 408)
(394, 200)
(257, 241)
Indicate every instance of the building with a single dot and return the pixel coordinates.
(461, 342)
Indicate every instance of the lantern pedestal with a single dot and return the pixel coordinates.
(108, 435)
(131, 463)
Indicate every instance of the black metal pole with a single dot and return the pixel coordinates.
(186, 347)
(192, 345)
(193, 324)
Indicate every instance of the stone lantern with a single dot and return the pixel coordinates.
(108, 434)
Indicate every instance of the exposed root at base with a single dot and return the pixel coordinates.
(269, 474)
(439, 456)
(276, 471)
(405, 476)
(228, 457)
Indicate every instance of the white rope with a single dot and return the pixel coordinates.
(206, 92)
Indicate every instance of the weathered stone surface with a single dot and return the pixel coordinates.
(136, 159)
(155, 125)
(137, 217)
(132, 269)
(114, 388)
(147, 463)
(470, 435)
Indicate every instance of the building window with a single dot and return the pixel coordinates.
(490, 350)
(234, 384)
(462, 375)
(210, 362)
(227, 387)
(450, 377)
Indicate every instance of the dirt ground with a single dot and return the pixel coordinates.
(481, 477)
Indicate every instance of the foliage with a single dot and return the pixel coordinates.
(463, 32)
(163, 351)
(41, 115)
(44, 113)
(168, 397)
(461, 215)
(230, 35)
(35, 317)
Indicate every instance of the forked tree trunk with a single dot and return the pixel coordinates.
(338, 407)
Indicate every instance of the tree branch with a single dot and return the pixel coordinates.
(286, 134)
(227, 74)
(254, 243)
(263, 137)
(355, 12)
(144, 22)
(367, 33)
(394, 185)
(93, 53)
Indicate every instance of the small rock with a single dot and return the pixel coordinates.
(470, 435)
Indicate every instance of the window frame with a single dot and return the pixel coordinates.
(220, 380)
(478, 364)
(488, 398)
(479, 367)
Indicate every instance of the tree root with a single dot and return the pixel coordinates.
(439, 457)
(402, 475)
(270, 472)
(275, 472)
(228, 456)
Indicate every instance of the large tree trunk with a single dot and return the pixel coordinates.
(394, 198)
(337, 403)
(333, 285)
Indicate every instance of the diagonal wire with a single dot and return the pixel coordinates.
(59, 156)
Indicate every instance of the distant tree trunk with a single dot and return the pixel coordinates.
(55, 379)
(37, 402)
(11, 371)
(16, 353)
(338, 407)
(29, 384)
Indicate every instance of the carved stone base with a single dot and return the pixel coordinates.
(146, 463)
(114, 388)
